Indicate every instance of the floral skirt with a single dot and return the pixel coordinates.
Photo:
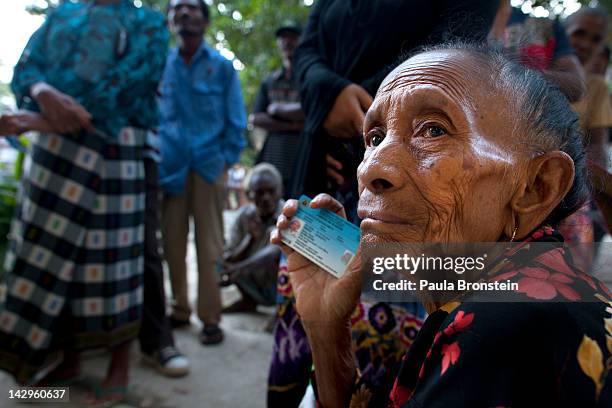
(75, 262)
(382, 333)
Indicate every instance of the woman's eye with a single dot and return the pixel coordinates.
(434, 131)
(376, 137)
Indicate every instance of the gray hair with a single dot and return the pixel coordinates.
(260, 170)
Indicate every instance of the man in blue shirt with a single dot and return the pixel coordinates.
(203, 120)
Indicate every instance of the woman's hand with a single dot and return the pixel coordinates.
(321, 298)
(62, 111)
(9, 125)
(15, 123)
(324, 304)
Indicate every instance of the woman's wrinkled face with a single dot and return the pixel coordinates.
(439, 164)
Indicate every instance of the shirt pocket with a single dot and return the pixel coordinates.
(208, 98)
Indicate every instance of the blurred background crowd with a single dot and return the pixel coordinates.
(136, 130)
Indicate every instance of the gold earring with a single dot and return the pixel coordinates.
(513, 234)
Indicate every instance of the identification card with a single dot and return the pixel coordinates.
(323, 237)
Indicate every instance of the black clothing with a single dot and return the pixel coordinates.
(155, 332)
(280, 148)
(360, 41)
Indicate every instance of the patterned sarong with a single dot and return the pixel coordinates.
(75, 262)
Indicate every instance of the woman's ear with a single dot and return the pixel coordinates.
(545, 183)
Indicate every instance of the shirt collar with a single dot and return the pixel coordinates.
(202, 52)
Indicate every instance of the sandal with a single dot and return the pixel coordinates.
(211, 334)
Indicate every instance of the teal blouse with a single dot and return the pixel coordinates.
(110, 58)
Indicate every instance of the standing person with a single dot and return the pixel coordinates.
(75, 264)
(203, 120)
(346, 51)
(587, 30)
(278, 110)
(540, 44)
(155, 337)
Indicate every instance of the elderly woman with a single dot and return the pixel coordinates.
(464, 146)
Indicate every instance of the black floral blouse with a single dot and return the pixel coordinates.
(547, 353)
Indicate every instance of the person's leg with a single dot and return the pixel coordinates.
(156, 340)
(175, 228)
(114, 386)
(207, 202)
(155, 331)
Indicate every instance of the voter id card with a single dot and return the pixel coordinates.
(323, 237)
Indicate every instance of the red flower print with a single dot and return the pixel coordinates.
(399, 394)
(554, 259)
(357, 314)
(450, 355)
(461, 322)
(540, 284)
(422, 371)
(504, 276)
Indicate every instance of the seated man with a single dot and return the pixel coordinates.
(250, 261)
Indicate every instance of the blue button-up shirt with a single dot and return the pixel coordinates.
(203, 118)
(110, 58)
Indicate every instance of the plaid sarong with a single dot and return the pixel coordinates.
(74, 268)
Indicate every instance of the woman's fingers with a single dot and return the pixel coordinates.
(290, 208)
(282, 222)
(328, 202)
(275, 238)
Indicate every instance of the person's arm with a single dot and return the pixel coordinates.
(235, 123)
(598, 120)
(324, 304)
(287, 111)
(135, 75)
(15, 123)
(30, 68)
(270, 124)
(567, 73)
(319, 84)
(238, 236)
(334, 362)
(266, 256)
(565, 70)
(237, 252)
(262, 119)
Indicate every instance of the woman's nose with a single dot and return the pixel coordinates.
(379, 172)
